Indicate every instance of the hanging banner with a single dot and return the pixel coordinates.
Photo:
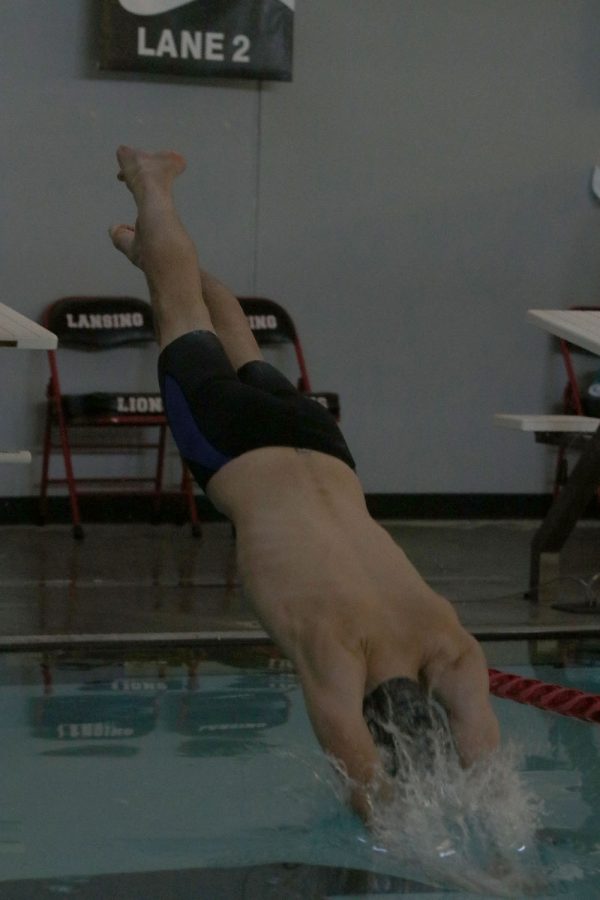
(204, 38)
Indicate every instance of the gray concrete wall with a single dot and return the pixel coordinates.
(422, 182)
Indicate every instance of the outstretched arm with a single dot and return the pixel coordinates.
(335, 710)
(463, 688)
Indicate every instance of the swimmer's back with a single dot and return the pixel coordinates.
(288, 477)
(313, 559)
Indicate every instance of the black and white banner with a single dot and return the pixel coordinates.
(206, 38)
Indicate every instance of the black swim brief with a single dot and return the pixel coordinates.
(217, 414)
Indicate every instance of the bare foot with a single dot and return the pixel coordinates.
(140, 169)
(148, 176)
(125, 239)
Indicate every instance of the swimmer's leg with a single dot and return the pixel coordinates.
(184, 298)
(230, 322)
(160, 245)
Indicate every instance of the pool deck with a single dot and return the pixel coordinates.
(144, 584)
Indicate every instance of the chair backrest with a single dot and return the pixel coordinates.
(100, 323)
(270, 323)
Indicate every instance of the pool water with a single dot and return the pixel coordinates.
(200, 777)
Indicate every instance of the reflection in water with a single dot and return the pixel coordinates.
(277, 881)
(574, 747)
(220, 723)
(211, 747)
(170, 765)
(230, 723)
(106, 750)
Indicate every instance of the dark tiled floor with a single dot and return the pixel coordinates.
(158, 582)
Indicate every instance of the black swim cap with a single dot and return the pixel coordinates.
(404, 720)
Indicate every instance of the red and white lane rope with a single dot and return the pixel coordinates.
(552, 697)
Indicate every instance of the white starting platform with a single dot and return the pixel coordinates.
(582, 328)
(554, 424)
(579, 326)
(20, 333)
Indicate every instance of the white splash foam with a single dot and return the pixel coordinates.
(471, 828)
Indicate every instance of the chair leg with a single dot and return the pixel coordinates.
(160, 464)
(561, 474)
(54, 396)
(187, 489)
(565, 511)
(78, 533)
(43, 504)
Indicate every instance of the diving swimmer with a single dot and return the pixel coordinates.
(372, 644)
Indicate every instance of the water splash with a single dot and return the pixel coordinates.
(452, 827)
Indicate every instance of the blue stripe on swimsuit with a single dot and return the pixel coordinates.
(192, 444)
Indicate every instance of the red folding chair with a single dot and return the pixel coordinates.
(103, 419)
(271, 325)
(574, 404)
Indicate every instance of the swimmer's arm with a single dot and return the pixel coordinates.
(342, 732)
(463, 688)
